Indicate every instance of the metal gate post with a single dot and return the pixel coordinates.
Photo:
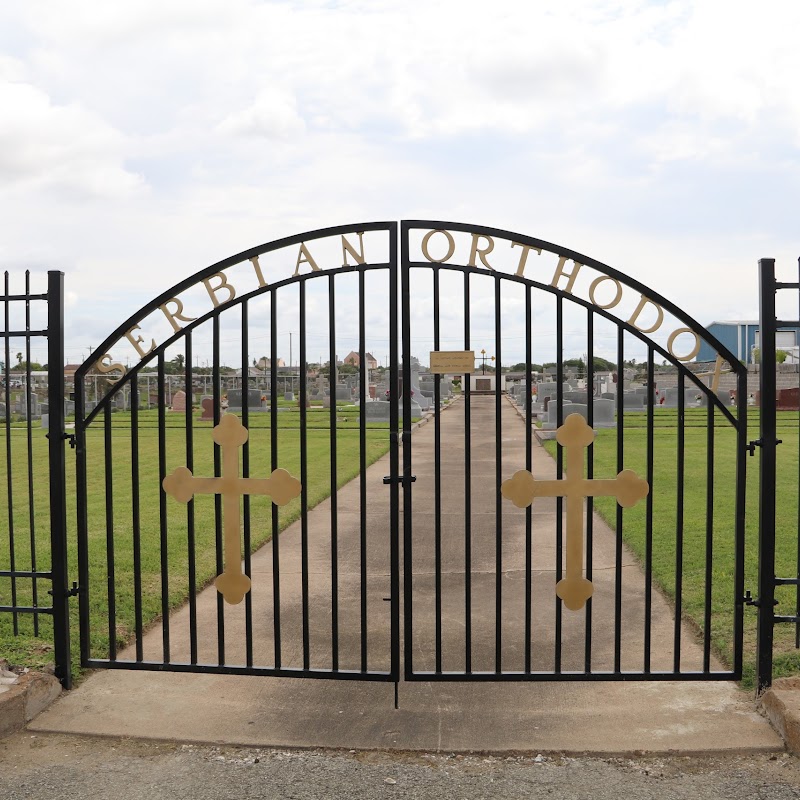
(767, 474)
(58, 501)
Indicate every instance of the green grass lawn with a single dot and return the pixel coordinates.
(36, 650)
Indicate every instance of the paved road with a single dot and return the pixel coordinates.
(47, 766)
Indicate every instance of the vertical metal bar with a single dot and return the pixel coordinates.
(559, 472)
(80, 500)
(246, 517)
(648, 543)
(273, 446)
(529, 467)
(465, 382)
(31, 509)
(498, 507)
(797, 571)
(394, 461)
(587, 644)
(136, 518)
(217, 391)
(162, 507)
(709, 535)
(437, 480)
(304, 479)
(679, 480)
(405, 394)
(767, 475)
(620, 466)
(333, 477)
(108, 453)
(58, 499)
(741, 490)
(191, 543)
(9, 483)
(362, 460)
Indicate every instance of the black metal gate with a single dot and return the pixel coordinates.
(483, 573)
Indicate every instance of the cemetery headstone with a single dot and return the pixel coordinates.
(179, 401)
(207, 406)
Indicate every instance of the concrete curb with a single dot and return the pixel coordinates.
(781, 704)
(23, 700)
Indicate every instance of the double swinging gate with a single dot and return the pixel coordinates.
(346, 513)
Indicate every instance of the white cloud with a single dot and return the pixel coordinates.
(62, 146)
(273, 115)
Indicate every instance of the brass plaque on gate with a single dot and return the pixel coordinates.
(458, 361)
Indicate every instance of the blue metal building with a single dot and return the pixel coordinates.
(741, 336)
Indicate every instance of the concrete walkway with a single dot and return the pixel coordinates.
(596, 717)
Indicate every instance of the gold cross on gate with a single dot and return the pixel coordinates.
(230, 435)
(575, 434)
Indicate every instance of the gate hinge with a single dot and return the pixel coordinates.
(73, 592)
(751, 446)
(66, 437)
(398, 479)
(749, 600)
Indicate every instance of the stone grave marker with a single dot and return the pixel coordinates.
(207, 406)
(179, 401)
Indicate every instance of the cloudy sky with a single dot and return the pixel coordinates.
(141, 142)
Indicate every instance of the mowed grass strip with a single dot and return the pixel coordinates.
(663, 550)
(36, 650)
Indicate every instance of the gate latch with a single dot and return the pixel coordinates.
(73, 592)
(398, 479)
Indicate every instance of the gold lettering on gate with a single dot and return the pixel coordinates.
(570, 276)
(139, 341)
(172, 316)
(632, 320)
(223, 284)
(112, 366)
(523, 258)
(451, 246)
(476, 251)
(348, 248)
(593, 288)
(305, 257)
(259, 274)
(671, 342)
(628, 488)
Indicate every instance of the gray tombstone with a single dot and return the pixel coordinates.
(604, 413)
(343, 392)
(632, 401)
(723, 395)
(288, 396)
(550, 419)
(418, 396)
(376, 411)
(2, 410)
(577, 396)
(672, 394)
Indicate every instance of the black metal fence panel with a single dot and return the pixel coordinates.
(779, 479)
(33, 545)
